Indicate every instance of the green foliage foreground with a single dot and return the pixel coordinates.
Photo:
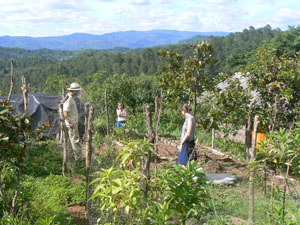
(178, 193)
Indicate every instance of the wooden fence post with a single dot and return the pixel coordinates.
(88, 154)
(213, 138)
(107, 114)
(251, 175)
(25, 88)
(86, 117)
(148, 158)
(156, 134)
(248, 134)
(64, 134)
(11, 80)
(158, 109)
(61, 128)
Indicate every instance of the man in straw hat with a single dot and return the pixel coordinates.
(71, 119)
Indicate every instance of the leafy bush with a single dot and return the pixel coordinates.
(51, 196)
(171, 121)
(120, 189)
(185, 189)
(281, 150)
(44, 159)
(99, 125)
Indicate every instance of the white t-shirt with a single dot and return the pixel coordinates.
(123, 112)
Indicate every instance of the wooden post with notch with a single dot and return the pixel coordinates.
(11, 79)
(25, 89)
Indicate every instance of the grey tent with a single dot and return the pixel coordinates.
(43, 107)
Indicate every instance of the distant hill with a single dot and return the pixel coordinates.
(194, 39)
(128, 39)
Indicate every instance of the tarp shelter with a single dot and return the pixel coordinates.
(43, 107)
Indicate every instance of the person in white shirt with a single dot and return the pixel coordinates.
(121, 114)
(71, 119)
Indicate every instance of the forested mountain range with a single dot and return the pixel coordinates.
(129, 39)
(231, 52)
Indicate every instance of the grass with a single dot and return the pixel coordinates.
(237, 149)
(232, 201)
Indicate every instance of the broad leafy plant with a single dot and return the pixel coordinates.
(133, 153)
(282, 149)
(185, 190)
(119, 189)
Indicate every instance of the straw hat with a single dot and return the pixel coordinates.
(74, 87)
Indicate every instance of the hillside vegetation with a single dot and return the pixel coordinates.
(130, 176)
(231, 53)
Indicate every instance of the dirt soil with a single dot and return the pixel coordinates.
(77, 212)
(211, 162)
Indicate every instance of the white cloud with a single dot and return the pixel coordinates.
(57, 17)
(285, 17)
(140, 2)
(219, 1)
(287, 13)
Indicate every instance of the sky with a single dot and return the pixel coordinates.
(39, 18)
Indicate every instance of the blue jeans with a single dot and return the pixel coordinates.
(119, 123)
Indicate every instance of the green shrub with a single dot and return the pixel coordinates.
(171, 122)
(45, 158)
(99, 125)
(184, 192)
(51, 196)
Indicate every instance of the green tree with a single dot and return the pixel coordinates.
(16, 136)
(184, 80)
(277, 82)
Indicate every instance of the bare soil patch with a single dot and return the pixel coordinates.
(78, 214)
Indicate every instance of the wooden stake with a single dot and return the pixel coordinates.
(64, 139)
(213, 138)
(251, 176)
(11, 79)
(86, 117)
(61, 124)
(156, 134)
(88, 155)
(25, 88)
(148, 158)
(158, 110)
(248, 133)
(107, 114)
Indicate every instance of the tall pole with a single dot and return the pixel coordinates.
(11, 79)
(148, 158)
(251, 175)
(88, 154)
(25, 88)
(107, 114)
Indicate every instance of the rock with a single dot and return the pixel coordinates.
(213, 166)
(216, 178)
(203, 158)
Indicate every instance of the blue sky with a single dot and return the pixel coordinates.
(62, 17)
